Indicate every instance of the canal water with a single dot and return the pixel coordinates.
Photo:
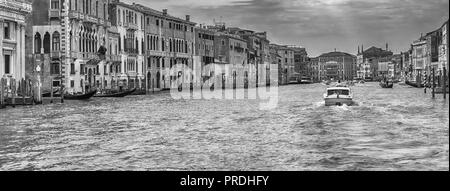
(390, 129)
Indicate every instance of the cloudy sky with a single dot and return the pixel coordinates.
(320, 25)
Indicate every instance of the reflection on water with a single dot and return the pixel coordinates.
(390, 129)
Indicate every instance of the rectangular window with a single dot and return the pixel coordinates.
(55, 4)
(56, 83)
(72, 83)
(6, 29)
(81, 69)
(72, 68)
(54, 69)
(7, 64)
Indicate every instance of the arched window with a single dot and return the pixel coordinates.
(47, 43)
(120, 44)
(37, 43)
(96, 8)
(55, 41)
(143, 47)
(105, 11)
(137, 46)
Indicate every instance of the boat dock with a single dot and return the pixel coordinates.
(22, 93)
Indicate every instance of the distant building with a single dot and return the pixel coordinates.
(168, 41)
(13, 15)
(336, 66)
(204, 53)
(443, 48)
(231, 59)
(258, 52)
(368, 62)
(314, 69)
(302, 67)
(286, 68)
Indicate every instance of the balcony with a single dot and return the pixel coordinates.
(91, 19)
(131, 51)
(155, 53)
(54, 13)
(74, 15)
(55, 54)
(88, 56)
(16, 5)
(113, 58)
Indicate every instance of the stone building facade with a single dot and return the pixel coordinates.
(13, 14)
(65, 37)
(336, 66)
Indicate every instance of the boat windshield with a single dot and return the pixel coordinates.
(338, 92)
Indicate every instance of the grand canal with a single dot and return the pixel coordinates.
(390, 129)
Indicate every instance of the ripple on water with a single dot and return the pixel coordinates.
(399, 129)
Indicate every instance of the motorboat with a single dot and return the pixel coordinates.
(338, 96)
(387, 84)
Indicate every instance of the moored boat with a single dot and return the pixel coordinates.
(339, 95)
(386, 84)
(118, 94)
(414, 84)
(80, 96)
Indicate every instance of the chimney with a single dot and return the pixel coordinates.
(188, 18)
(164, 12)
(359, 50)
(387, 47)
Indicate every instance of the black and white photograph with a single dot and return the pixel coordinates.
(224, 86)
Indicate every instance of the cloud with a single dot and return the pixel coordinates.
(321, 25)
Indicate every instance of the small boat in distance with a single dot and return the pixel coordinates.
(80, 96)
(338, 96)
(117, 94)
(387, 84)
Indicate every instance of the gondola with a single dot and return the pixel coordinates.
(387, 84)
(414, 84)
(120, 94)
(81, 96)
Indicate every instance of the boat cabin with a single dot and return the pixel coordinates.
(338, 92)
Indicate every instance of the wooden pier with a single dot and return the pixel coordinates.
(23, 93)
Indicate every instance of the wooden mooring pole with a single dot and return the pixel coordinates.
(2, 93)
(433, 90)
(23, 90)
(51, 92)
(13, 92)
(444, 83)
(61, 91)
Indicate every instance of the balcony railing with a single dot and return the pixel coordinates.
(74, 15)
(113, 58)
(91, 19)
(54, 13)
(19, 5)
(55, 54)
(131, 51)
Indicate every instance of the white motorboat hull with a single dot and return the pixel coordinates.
(338, 101)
